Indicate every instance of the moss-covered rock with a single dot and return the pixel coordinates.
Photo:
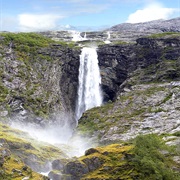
(35, 154)
(147, 157)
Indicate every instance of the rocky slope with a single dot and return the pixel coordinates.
(140, 83)
(143, 81)
(36, 73)
(157, 26)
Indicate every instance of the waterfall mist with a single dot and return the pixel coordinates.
(89, 91)
(54, 131)
(60, 131)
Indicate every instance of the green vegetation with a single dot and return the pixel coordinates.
(172, 34)
(21, 143)
(25, 41)
(177, 134)
(149, 160)
(3, 92)
(146, 157)
(95, 121)
(29, 42)
(119, 43)
(168, 97)
(14, 168)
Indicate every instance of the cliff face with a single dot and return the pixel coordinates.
(142, 80)
(141, 85)
(37, 80)
(156, 58)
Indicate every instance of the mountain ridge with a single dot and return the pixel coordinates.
(156, 26)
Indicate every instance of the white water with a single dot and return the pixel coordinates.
(107, 41)
(76, 36)
(89, 91)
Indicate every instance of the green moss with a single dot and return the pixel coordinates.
(14, 168)
(113, 165)
(167, 98)
(21, 143)
(177, 134)
(119, 43)
(3, 93)
(172, 34)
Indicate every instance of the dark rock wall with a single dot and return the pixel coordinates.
(160, 58)
(113, 64)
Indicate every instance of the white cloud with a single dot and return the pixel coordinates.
(33, 22)
(153, 11)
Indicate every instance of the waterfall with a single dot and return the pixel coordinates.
(85, 38)
(107, 41)
(89, 91)
(109, 35)
(76, 36)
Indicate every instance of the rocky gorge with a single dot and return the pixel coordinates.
(140, 85)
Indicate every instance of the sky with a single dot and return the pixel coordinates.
(42, 15)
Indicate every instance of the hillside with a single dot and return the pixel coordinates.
(38, 93)
(157, 26)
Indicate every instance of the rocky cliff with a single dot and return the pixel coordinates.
(143, 81)
(140, 83)
(38, 77)
(156, 57)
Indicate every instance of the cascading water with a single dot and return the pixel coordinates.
(89, 91)
(76, 36)
(107, 41)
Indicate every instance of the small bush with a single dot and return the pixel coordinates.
(149, 162)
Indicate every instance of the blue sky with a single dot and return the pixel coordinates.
(38, 15)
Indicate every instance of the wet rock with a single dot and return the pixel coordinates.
(91, 151)
(57, 165)
(76, 169)
(93, 163)
(5, 153)
(55, 175)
